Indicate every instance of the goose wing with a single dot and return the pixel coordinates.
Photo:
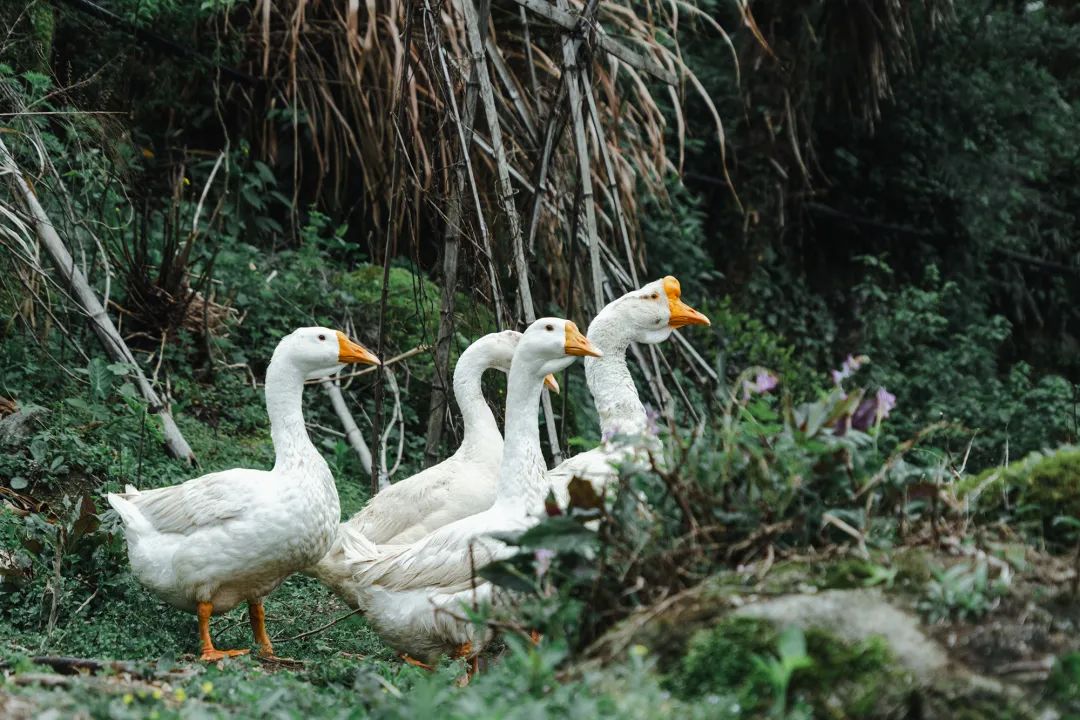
(446, 559)
(204, 501)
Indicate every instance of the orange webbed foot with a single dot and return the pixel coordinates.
(414, 662)
(214, 655)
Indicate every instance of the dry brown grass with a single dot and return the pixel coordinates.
(344, 67)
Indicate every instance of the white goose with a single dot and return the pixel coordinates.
(413, 595)
(460, 486)
(647, 315)
(210, 543)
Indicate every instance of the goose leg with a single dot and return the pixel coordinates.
(414, 662)
(465, 651)
(209, 653)
(257, 616)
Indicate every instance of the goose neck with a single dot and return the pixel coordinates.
(479, 421)
(284, 405)
(610, 382)
(521, 473)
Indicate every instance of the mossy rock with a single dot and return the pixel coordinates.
(838, 679)
(1038, 488)
(965, 699)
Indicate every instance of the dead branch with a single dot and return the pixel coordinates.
(99, 320)
(352, 432)
(385, 473)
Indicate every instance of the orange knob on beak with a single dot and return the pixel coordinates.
(578, 344)
(350, 352)
(681, 313)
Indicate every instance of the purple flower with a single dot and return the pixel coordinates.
(850, 366)
(763, 383)
(543, 561)
(872, 409)
(865, 414)
(886, 401)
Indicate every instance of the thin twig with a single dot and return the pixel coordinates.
(319, 629)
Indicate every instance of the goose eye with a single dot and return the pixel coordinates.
(550, 328)
(322, 337)
(654, 295)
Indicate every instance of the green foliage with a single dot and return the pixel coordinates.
(673, 229)
(739, 340)
(1034, 493)
(29, 30)
(965, 591)
(967, 170)
(1063, 685)
(937, 349)
(808, 472)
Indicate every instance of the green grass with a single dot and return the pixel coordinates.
(346, 673)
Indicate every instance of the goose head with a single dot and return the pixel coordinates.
(498, 349)
(549, 345)
(649, 314)
(319, 351)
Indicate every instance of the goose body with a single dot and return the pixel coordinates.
(460, 486)
(647, 315)
(228, 537)
(414, 595)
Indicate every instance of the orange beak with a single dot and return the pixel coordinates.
(350, 352)
(578, 344)
(681, 313)
(551, 384)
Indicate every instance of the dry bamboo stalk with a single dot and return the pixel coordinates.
(352, 432)
(506, 196)
(100, 321)
(508, 82)
(463, 123)
(465, 140)
(505, 190)
(384, 472)
(554, 127)
(660, 389)
(581, 143)
(515, 174)
(613, 186)
(530, 62)
(451, 244)
(560, 15)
